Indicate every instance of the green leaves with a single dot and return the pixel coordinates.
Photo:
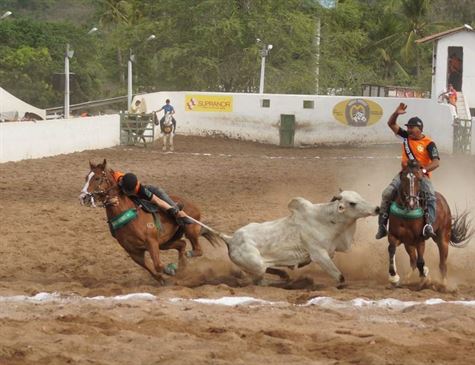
(211, 45)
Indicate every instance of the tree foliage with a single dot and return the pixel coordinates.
(210, 45)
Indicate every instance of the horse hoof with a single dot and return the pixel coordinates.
(394, 280)
(170, 269)
(424, 283)
(193, 253)
(425, 271)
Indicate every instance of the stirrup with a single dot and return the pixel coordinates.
(428, 231)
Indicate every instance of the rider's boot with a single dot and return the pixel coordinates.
(430, 216)
(382, 223)
(428, 230)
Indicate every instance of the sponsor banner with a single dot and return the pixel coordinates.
(208, 103)
(357, 112)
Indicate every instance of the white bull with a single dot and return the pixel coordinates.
(312, 232)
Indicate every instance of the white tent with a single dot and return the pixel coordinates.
(13, 109)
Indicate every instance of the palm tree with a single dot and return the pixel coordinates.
(415, 13)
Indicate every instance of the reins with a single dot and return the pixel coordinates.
(104, 196)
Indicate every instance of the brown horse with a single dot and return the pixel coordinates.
(141, 235)
(406, 221)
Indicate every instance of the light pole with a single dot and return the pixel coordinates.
(5, 14)
(264, 53)
(129, 72)
(67, 56)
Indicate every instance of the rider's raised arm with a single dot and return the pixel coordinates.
(401, 109)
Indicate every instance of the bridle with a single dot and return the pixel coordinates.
(411, 199)
(103, 195)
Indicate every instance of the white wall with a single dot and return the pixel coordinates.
(466, 40)
(247, 121)
(24, 140)
(250, 121)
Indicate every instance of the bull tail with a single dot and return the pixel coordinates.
(461, 230)
(214, 237)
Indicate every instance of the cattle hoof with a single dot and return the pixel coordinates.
(342, 285)
(170, 269)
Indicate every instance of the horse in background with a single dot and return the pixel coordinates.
(136, 230)
(406, 221)
(167, 129)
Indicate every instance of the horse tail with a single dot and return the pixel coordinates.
(461, 230)
(214, 237)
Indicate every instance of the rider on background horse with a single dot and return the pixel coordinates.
(130, 186)
(416, 146)
(167, 108)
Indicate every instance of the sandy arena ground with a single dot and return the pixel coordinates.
(49, 243)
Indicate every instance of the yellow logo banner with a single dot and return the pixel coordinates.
(357, 112)
(208, 103)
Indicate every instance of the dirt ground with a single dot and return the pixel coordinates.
(49, 243)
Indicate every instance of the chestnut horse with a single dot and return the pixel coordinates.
(406, 221)
(141, 235)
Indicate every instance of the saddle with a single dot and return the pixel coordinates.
(404, 213)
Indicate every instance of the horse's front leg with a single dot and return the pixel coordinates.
(164, 148)
(394, 278)
(153, 246)
(171, 142)
(421, 265)
(411, 251)
(145, 261)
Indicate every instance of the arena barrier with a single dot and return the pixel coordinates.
(287, 120)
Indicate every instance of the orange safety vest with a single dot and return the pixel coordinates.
(419, 150)
(117, 175)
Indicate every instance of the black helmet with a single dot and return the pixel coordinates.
(167, 101)
(128, 183)
(415, 122)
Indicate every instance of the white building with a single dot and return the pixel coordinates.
(453, 63)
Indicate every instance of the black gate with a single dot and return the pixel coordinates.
(136, 129)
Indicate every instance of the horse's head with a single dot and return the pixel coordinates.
(99, 184)
(409, 189)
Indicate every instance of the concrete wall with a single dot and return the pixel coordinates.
(250, 121)
(241, 116)
(24, 140)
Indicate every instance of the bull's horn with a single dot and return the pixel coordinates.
(337, 197)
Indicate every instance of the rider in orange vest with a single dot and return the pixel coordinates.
(415, 146)
(130, 185)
